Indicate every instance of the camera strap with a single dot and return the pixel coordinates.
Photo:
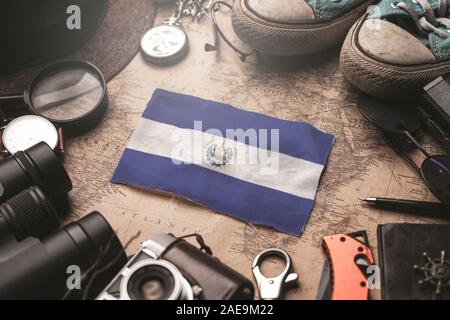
(203, 246)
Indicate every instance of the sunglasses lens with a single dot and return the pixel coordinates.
(389, 116)
(436, 172)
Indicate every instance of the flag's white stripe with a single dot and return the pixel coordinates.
(291, 175)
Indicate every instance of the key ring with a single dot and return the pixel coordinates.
(272, 288)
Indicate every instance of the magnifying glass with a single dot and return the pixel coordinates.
(72, 94)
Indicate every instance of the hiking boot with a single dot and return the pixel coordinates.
(397, 47)
(295, 27)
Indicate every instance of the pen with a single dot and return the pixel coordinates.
(418, 208)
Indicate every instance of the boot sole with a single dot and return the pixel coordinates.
(290, 39)
(381, 79)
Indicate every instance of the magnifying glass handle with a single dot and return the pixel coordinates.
(12, 102)
(17, 98)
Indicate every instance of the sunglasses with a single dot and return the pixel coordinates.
(401, 130)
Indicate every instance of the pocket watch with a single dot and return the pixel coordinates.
(164, 44)
(168, 42)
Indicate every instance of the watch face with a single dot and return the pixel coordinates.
(27, 131)
(164, 43)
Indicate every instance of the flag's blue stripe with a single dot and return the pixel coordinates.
(297, 139)
(222, 193)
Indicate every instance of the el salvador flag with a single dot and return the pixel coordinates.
(253, 167)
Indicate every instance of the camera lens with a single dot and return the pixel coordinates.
(155, 280)
(38, 165)
(152, 289)
(151, 283)
(29, 214)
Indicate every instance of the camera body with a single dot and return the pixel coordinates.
(170, 268)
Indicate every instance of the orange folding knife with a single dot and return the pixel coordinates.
(344, 275)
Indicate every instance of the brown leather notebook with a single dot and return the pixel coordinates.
(414, 261)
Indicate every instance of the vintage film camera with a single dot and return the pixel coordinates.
(170, 268)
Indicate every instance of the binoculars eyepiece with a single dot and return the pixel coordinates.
(30, 214)
(37, 166)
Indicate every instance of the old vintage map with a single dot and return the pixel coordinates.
(307, 89)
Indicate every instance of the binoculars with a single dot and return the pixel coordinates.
(37, 257)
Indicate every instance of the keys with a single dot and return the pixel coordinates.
(195, 9)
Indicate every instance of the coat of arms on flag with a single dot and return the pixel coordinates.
(247, 165)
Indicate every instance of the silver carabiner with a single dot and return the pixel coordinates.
(272, 288)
